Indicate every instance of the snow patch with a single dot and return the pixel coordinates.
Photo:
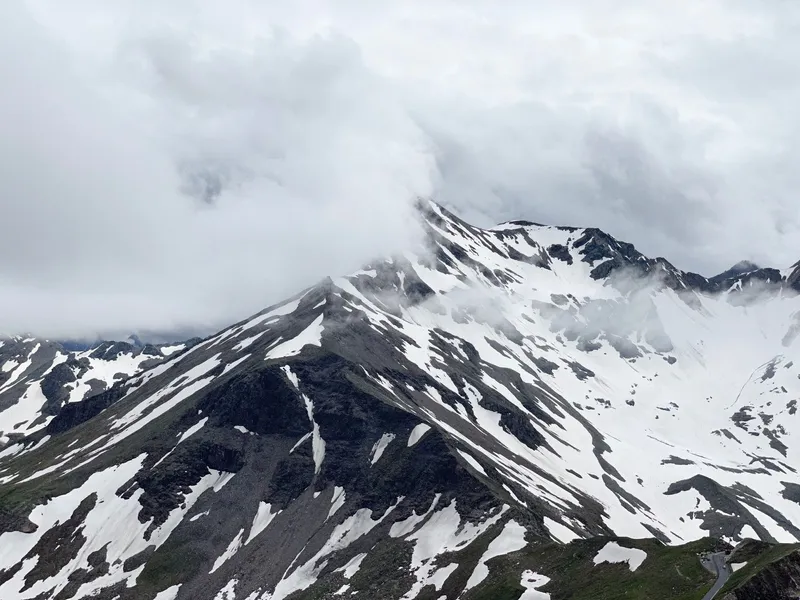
(748, 532)
(354, 527)
(168, 350)
(379, 447)
(560, 532)
(532, 582)
(510, 539)
(247, 342)
(417, 433)
(261, 521)
(299, 442)
(168, 594)
(232, 549)
(612, 552)
(222, 480)
(473, 463)
(317, 443)
(228, 592)
(112, 523)
(352, 567)
(231, 366)
(407, 525)
(274, 314)
(310, 336)
(337, 501)
(193, 429)
(442, 532)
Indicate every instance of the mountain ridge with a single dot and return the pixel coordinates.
(38, 377)
(398, 431)
(705, 283)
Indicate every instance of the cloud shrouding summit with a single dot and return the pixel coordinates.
(180, 165)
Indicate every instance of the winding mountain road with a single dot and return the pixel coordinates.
(716, 564)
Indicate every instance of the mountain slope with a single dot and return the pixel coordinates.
(38, 377)
(391, 432)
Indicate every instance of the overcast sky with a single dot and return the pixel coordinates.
(178, 165)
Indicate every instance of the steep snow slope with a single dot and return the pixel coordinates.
(391, 432)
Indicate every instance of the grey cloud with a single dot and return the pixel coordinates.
(311, 167)
(574, 167)
(180, 165)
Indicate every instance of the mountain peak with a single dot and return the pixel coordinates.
(492, 413)
(740, 268)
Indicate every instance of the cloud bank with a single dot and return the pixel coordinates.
(179, 166)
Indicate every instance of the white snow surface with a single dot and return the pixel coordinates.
(531, 582)
(559, 531)
(168, 350)
(417, 433)
(275, 313)
(510, 539)
(317, 443)
(665, 415)
(442, 531)
(380, 446)
(232, 549)
(708, 390)
(473, 462)
(123, 421)
(337, 501)
(261, 521)
(352, 566)
(354, 527)
(310, 336)
(228, 592)
(168, 594)
(193, 429)
(612, 552)
(112, 523)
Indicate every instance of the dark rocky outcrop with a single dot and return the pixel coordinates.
(73, 414)
(778, 580)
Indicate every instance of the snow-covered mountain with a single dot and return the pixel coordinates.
(441, 424)
(38, 377)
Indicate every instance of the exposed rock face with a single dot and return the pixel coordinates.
(779, 580)
(392, 431)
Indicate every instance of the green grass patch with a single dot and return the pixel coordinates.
(671, 572)
(170, 565)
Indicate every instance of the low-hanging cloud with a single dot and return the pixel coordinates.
(229, 181)
(181, 166)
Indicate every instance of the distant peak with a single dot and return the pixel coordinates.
(740, 268)
(523, 223)
(743, 266)
(134, 340)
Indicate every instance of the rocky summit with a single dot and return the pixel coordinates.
(523, 412)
